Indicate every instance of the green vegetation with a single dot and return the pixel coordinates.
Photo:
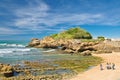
(74, 63)
(89, 40)
(73, 33)
(79, 65)
(101, 38)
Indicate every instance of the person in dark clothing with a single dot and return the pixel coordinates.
(101, 68)
(107, 66)
(113, 66)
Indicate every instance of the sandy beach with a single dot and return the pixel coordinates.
(96, 74)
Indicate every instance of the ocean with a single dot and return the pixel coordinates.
(16, 51)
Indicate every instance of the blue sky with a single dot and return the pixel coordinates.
(25, 19)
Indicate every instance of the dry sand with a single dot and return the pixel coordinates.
(96, 74)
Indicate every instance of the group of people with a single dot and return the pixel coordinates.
(108, 66)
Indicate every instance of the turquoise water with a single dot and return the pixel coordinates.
(15, 52)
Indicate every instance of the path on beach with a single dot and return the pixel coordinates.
(96, 74)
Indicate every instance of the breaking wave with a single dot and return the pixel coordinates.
(14, 50)
(11, 45)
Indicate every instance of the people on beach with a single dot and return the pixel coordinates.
(108, 66)
(113, 66)
(101, 68)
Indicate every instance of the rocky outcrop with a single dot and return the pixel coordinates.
(67, 45)
(86, 53)
(46, 42)
(107, 47)
(84, 48)
(69, 41)
(103, 48)
(6, 70)
(34, 42)
(115, 45)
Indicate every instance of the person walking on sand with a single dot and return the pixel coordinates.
(101, 68)
(113, 66)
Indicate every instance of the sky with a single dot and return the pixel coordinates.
(26, 19)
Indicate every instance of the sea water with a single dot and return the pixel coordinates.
(16, 51)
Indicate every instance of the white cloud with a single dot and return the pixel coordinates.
(8, 31)
(28, 17)
(38, 16)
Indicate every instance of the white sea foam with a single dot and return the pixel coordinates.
(5, 51)
(11, 45)
(3, 44)
(49, 50)
(12, 50)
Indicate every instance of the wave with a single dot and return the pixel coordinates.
(3, 44)
(11, 45)
(49, 50)
(15, 50)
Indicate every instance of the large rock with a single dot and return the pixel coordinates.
(73, 47)
(67, 45)
(103, 48)
(86, 53)
(48, 42)
(34, 42)
(6, 70)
